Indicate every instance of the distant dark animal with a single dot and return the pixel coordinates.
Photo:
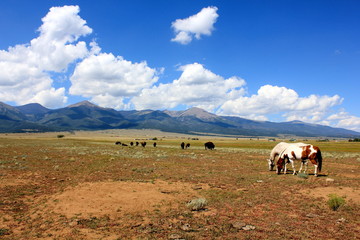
(123, 144)
(209, 145)
(131, 144)
(182, 145)
(143, 144)
(137, 143)
(118, 143)
(154, 144)
(187, 145)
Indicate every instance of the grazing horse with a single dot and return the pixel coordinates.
(209, 145)
(303, 152)
(276, 152)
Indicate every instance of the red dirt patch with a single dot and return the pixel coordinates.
(347, 192)
(118, 198)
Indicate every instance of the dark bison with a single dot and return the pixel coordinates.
(154, 144)
(118, 143)
(131, 144)
(143, 144)
(137, 143)
(209, 145)
(123, 144)
(182, 145)
(187, 145)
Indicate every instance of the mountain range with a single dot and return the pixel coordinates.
(88, 116)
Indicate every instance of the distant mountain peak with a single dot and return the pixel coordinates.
(84, 103)
(198, 113)
(32, 108)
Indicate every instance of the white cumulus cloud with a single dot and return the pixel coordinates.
(25, 67)
(107, 79)
(199, 24)
(280, 100)
(196, 86)
(345, 120)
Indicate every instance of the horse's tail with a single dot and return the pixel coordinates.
(319, 157)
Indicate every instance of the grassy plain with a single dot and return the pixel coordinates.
(83, 186)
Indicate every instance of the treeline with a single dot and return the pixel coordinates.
(354, 140)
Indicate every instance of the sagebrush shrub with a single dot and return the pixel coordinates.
(335, 202)
(197, 204)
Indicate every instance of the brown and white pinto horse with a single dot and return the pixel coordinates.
(303, 152)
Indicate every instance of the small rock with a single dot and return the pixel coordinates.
(259, 181)
(248, 228)
(311, 215)
(73, 223)
(165, 191)
(186, 227)
(175, 236)
(341, 220)
(238, 225)
(329, 180)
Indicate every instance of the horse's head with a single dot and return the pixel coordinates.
(271, 164)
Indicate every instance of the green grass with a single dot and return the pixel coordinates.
(335, 202)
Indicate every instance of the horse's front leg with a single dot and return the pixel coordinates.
(301, 166)
(293, 167)
(315, 171)
(306, 166)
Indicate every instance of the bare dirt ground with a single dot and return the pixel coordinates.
(116, 199)
(83, 186)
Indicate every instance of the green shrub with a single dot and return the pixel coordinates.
(60, 136)
(335, 202)
(303, 175)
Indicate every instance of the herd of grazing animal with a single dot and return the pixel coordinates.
(143, 144)
(184, 146)
(285, 153)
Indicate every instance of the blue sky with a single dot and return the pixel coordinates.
(262, 60)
